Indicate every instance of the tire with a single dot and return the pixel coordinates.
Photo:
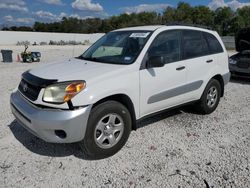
(104, 120)
(205, 105)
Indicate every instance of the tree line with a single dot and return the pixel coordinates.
(223, 20)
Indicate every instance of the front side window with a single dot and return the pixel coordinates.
(214, 45)
(119, 47)
(167, 45)
(194, 44)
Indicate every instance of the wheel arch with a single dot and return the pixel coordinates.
(219, 78)
(126, 101)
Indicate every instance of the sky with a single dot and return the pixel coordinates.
(26, 12)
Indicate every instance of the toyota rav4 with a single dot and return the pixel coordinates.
(96, 99)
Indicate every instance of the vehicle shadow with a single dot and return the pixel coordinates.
(38, 146)
(239, 80)
(159, 116)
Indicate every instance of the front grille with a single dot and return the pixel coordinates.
(28, 90)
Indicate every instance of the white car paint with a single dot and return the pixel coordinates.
(145, 87)
(104, 80)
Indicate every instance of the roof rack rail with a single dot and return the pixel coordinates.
(191, 25)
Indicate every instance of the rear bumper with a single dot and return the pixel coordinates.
(44, 122)
(226, 78)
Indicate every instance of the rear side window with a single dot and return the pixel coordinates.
(194, 44)
(214, 45)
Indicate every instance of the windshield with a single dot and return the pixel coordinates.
(119, 47)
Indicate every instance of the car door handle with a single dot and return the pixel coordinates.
(180, 68)
(210, 61)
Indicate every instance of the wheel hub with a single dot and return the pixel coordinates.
(109, 131)
(212, 96)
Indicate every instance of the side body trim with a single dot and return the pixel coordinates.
(175, 92)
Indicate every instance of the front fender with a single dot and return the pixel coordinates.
(127, 84)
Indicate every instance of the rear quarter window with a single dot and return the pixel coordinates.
(214, 45)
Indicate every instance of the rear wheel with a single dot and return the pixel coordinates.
(108, 129)
(210, 97)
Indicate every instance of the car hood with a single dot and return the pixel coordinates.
(242, 40)
(75, 69)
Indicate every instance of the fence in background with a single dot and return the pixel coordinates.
(229, 42)
(12, 37)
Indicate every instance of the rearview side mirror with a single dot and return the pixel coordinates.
(155, 61)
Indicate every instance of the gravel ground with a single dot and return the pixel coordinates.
(173, 149)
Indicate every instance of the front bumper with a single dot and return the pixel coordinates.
(239, 72)
(43, 122)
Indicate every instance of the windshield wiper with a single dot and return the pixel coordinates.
(88, 58)
(94, 59)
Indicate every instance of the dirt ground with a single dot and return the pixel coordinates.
(175, 149)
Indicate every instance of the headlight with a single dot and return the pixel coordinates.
(63, 92)
(232, 61)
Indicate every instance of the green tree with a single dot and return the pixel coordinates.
(184, 13)
(168, 15)
(244, 16)
(202, 15)
(222, 20)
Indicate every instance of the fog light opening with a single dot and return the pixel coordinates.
(61, 134)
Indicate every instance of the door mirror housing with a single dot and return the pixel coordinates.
(155, 61)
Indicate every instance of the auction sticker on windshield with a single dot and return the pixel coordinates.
(139, 35)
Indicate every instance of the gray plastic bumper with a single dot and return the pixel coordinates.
(44, 122)
(226, 78)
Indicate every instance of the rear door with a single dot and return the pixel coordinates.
(198, 61)
(216, 51)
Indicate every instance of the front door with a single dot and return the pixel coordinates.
(163, 87)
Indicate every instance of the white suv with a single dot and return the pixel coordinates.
(97, 98)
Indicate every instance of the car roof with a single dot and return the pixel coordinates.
(155, 27)
(145, 28)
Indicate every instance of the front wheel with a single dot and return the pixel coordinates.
(210, 97)
(108, 129)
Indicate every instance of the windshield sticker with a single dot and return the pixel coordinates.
(139, 35)
(127, 58)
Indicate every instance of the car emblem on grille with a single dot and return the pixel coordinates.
(25, 87)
